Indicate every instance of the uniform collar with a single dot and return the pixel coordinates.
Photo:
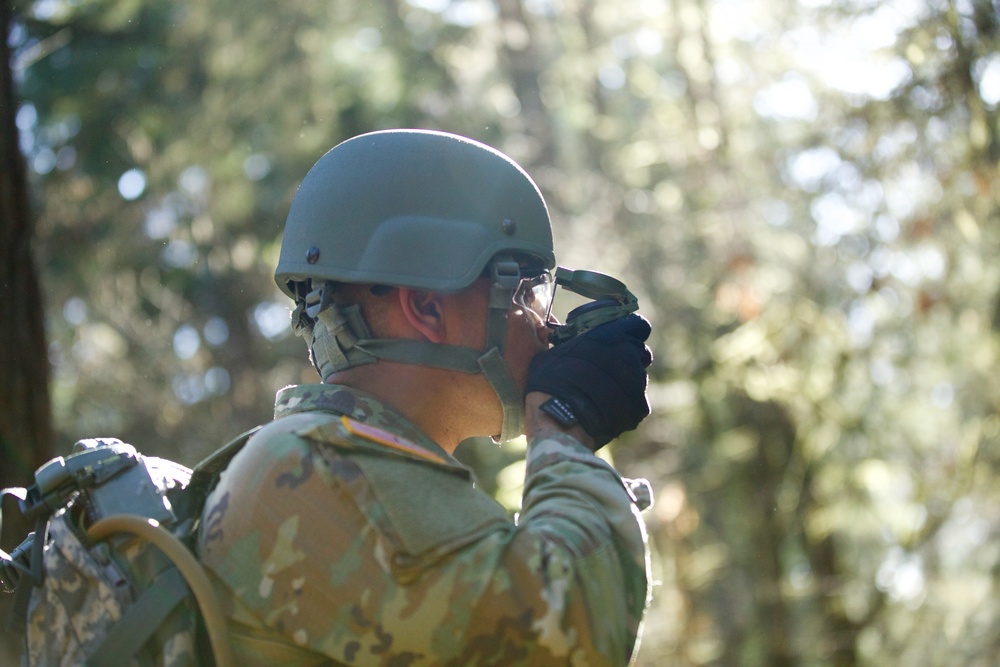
(356, 404)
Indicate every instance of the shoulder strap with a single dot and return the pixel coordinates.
(191, 571)
(150, 609)
(204, 477)
(217, 461)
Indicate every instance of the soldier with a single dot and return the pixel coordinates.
(345, 532)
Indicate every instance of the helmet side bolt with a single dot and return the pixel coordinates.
(312, 255)
(509, 227)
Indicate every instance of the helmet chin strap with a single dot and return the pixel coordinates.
(340, 339)
(499, 377)
(506, 278)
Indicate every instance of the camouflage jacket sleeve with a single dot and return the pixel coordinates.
(581, 523)
(371, 556)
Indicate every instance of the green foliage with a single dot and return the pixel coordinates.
(802, 194)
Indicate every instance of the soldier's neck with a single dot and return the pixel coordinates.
(446, 405)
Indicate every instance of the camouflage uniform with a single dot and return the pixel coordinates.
(343, 534)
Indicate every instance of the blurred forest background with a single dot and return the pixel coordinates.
(802, 193)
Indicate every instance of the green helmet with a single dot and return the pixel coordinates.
(420, 209)
(411, 208)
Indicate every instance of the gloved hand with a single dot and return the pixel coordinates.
(601, 375)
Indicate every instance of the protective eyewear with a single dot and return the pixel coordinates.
(607, 299)
(535, 295)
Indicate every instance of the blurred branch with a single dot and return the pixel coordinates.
(41, 49)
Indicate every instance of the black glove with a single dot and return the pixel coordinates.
(600, 375)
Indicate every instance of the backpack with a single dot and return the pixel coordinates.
(109, 576)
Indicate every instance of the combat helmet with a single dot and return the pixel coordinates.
(412, 208)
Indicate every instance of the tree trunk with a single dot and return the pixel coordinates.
(25, 419)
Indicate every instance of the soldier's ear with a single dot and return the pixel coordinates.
(424, 311)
